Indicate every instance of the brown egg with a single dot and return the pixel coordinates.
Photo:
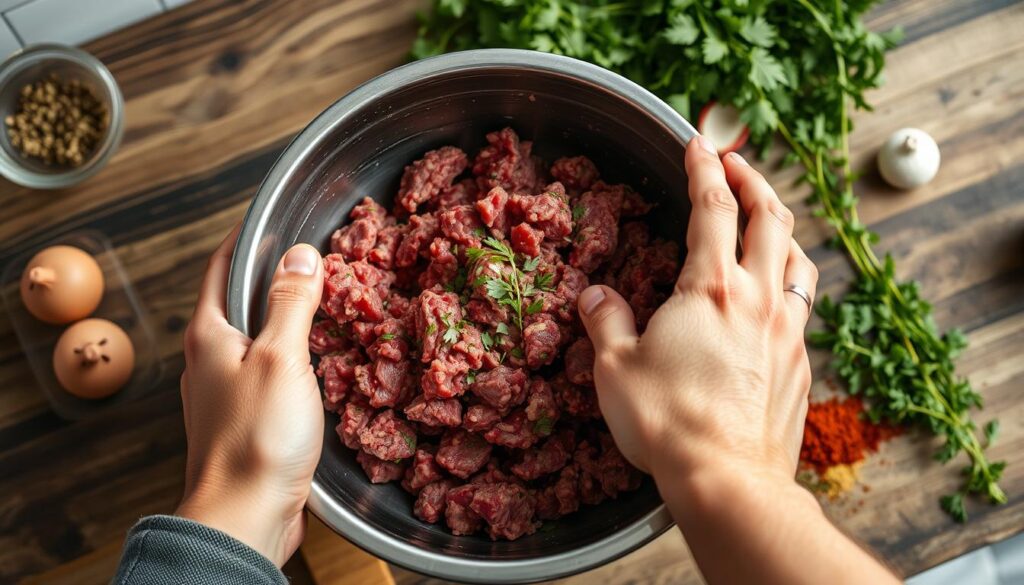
(93, 359)
(62, 284)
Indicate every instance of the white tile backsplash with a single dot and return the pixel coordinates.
(76, 21)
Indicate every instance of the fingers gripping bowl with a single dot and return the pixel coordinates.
(359, 147)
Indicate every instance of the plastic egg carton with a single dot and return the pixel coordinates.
(120, 304)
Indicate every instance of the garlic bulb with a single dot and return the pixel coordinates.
(909, 158)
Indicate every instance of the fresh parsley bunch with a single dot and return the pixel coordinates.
(793, 68)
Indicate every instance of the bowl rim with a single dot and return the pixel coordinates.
(12, 168)
(347, 522)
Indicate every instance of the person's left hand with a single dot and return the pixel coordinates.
(252, 408)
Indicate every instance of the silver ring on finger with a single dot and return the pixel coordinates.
(800, 292)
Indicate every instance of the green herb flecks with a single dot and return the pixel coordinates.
(452, 329)
(410, 441)
(542, 426)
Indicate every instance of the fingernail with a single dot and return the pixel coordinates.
(590, 298)
(739, 158)
(707, 145)
(301, 260)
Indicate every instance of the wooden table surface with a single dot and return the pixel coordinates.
(216, 89)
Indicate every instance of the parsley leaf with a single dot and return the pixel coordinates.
(531, 264)
(991, 431)
(953, 504)
(758, 31)
(497, 289)
(714, 50)
(683, 30)
(452, 330)
(387, 336)
(765, 71)
(543, 280)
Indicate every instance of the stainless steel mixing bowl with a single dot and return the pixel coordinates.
(358, 147)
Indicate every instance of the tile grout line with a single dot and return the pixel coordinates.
(17, 6)
(14, 32)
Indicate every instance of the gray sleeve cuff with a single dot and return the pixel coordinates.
(161, 550)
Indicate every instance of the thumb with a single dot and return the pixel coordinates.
(293, 299)
(607, 317)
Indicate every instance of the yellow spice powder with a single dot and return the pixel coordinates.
(839, 479)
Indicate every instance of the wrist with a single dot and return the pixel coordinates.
(696, 492)
(245, 510)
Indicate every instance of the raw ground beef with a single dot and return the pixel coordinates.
(482, 406)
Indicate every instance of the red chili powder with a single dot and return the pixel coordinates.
(836, 432)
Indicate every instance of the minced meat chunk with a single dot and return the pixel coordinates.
(506, 162)
(492, 209)
(421, 231)
(541, 336)
(551, 456)
(354, 418)
(560, 498)
(431, 501)
(388, 437)
(436, 413)
(507, 509)
(576, 173)
(325, 336)
(423, 470)
(461, 519)
(515, 431)
(355, 240)
(501, 388)
(480, 417)
(379, 470)
(338, 371)
(462, 453)
(526, 240)
(548, 212)
(597, 231)
(579, 362)
(384, 382)
(424, 179)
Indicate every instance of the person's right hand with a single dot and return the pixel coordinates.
(720, 378)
